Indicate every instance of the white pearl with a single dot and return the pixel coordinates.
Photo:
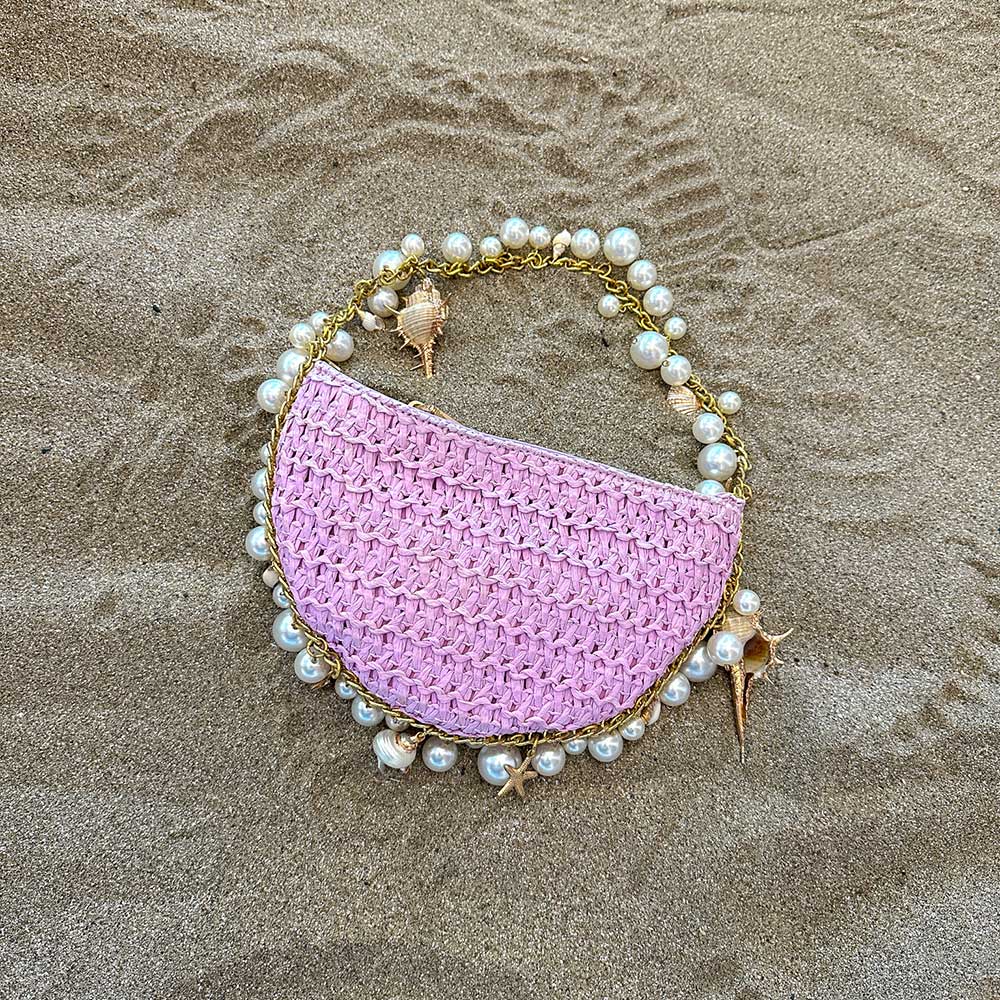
(633, 730)
(301, 334)
(699, 666)
(708, 428)
(439, 755)
(308, 669)
(652, 712)
(657, 300)
(709, 488)
(585, 243)
(676, 691)
(412, 245)
(271, 394)
(746, 602)
(270, 578)
(717, 461)
(265, 453)
(621, 246)
(344, 690)
(364, 714)
(649, 350)
(384, 302)
(260, 512)
(725, 648)
(641, 275)
(256, 544)
(548, 759)
(258, 484)
(539, 237)
(490, 246)
(389, 260)
(279, 596)
(317, 320)
(397, 725)
(371, 322)
(729, 402)
(286, 635)
(288, 364)
(606, 748)
(514, 233)
(676, 370)
(456, 246)
(676, 327)
(575, 747)
(493, 760)
(608, 305)
(340, 348)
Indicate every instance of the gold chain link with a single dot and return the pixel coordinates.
(536, 261)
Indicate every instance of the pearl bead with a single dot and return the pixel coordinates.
(548, 759)
(340, 348)
(621, 246)
(270, 578)
(676, 691)
(389, 260)
(364, 714)
(308, 669)
(676, 370)
(729, 402)
(271, 394)
(412, 245)
(260, 512)
(493, 760)
(343, 689)
(514, 233)
(699, 666)
(746, 602)
(371, 322)
(606, 748)
(709, 488)
(641, 274)
(288, 364)
(649, 350)
(301, 334)
(396, 724)
(456, 246)
(633, 730)
(279, 597)
(265, 453)
(725, 648)
(585, 243)
(608, 305)
(258, 484)
(717, 461)
(439, 755)
(384, 302)
(256, 544)
(652, 712)
(539, 237)
(708, 428)
(657, 300)
(676, 327)
(317, 320)
(490, 246)
(576, 746)
(286, 635)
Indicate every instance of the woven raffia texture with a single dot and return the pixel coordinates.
(483, 585)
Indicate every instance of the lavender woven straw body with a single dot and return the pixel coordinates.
(481, 585)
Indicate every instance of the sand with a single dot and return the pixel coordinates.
(181, 182)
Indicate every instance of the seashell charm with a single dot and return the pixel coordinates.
(560, 244)
(395, 750)
(421, 320)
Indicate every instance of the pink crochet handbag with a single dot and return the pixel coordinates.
(485, 586)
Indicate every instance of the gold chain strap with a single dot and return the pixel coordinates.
(536, 261)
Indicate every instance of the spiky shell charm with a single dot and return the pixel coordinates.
(421, 321)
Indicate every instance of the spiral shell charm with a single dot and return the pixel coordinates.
(421, 320)
(395, 750)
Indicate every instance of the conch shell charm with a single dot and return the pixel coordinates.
(421, 320)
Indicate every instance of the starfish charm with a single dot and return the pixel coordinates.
(517, 777)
